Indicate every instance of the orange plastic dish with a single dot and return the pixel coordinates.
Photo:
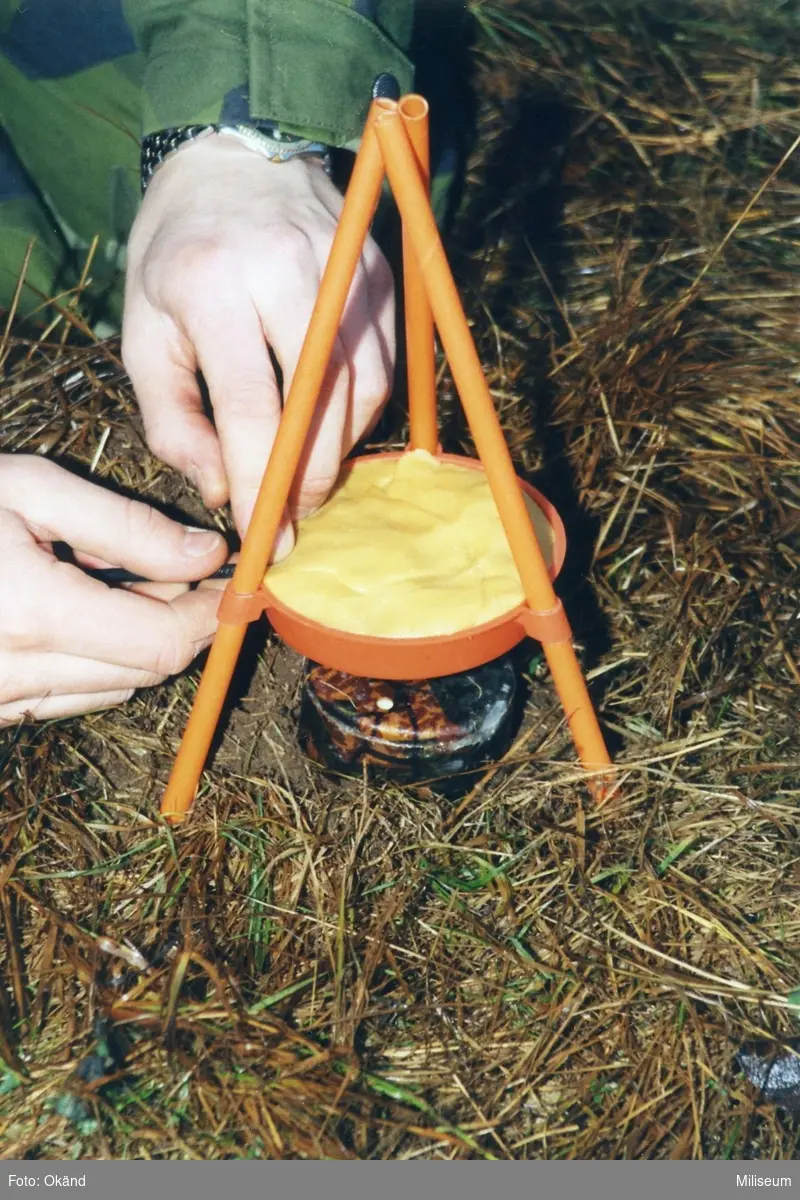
(415, 658)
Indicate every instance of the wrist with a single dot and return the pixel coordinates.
(213, 165)
(262, 138)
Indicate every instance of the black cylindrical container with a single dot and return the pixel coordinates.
(434, 731)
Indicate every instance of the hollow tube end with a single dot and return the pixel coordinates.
(414, 107)
(385, 110)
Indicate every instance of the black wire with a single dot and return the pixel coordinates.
(116, 575)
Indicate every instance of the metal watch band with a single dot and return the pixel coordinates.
(263, 137)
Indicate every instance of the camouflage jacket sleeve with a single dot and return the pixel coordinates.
(308, 64)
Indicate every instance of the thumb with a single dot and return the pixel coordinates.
(58, 506)
(162, 371)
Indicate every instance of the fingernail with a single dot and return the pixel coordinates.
(160, 591)
(242, 514)
(194, 473)
(284, 543)
(197, 543)
(209, 484)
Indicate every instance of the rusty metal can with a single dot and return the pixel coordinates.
(437, 732)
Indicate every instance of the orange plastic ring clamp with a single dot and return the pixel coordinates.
(240, 608)
(548, 626)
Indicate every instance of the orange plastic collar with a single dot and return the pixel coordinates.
(240, 608)
(547, 627)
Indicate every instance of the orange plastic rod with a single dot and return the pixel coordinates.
(357, 213)
(420, 351)
(415, 210)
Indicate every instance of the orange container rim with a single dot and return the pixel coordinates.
(378, 644)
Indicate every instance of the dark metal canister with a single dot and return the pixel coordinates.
(437, 731)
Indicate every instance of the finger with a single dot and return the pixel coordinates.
(57, 608)
(161, 366)
(372, 373)
(367, 334)
(320, 462)
(158, 591)
(285, 326)
(27, 674)
(49, 708)
(381, 292)
(233, 357)
(59, 506)
(212, 585)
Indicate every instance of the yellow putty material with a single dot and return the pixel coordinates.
(410, 547)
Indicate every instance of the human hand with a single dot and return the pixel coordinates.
(224, 261)
(69, 644)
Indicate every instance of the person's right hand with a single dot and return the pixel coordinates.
(69, 644)
(224, 263)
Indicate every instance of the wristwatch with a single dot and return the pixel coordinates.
(262, 136)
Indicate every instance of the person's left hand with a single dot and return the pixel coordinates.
(68, 643)
(224, 264)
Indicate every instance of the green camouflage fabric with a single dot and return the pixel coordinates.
(82, 80)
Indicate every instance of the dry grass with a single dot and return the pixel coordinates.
(316, 969)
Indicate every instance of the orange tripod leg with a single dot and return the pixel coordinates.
(420, 350)
(412, 201)
(357, 213)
